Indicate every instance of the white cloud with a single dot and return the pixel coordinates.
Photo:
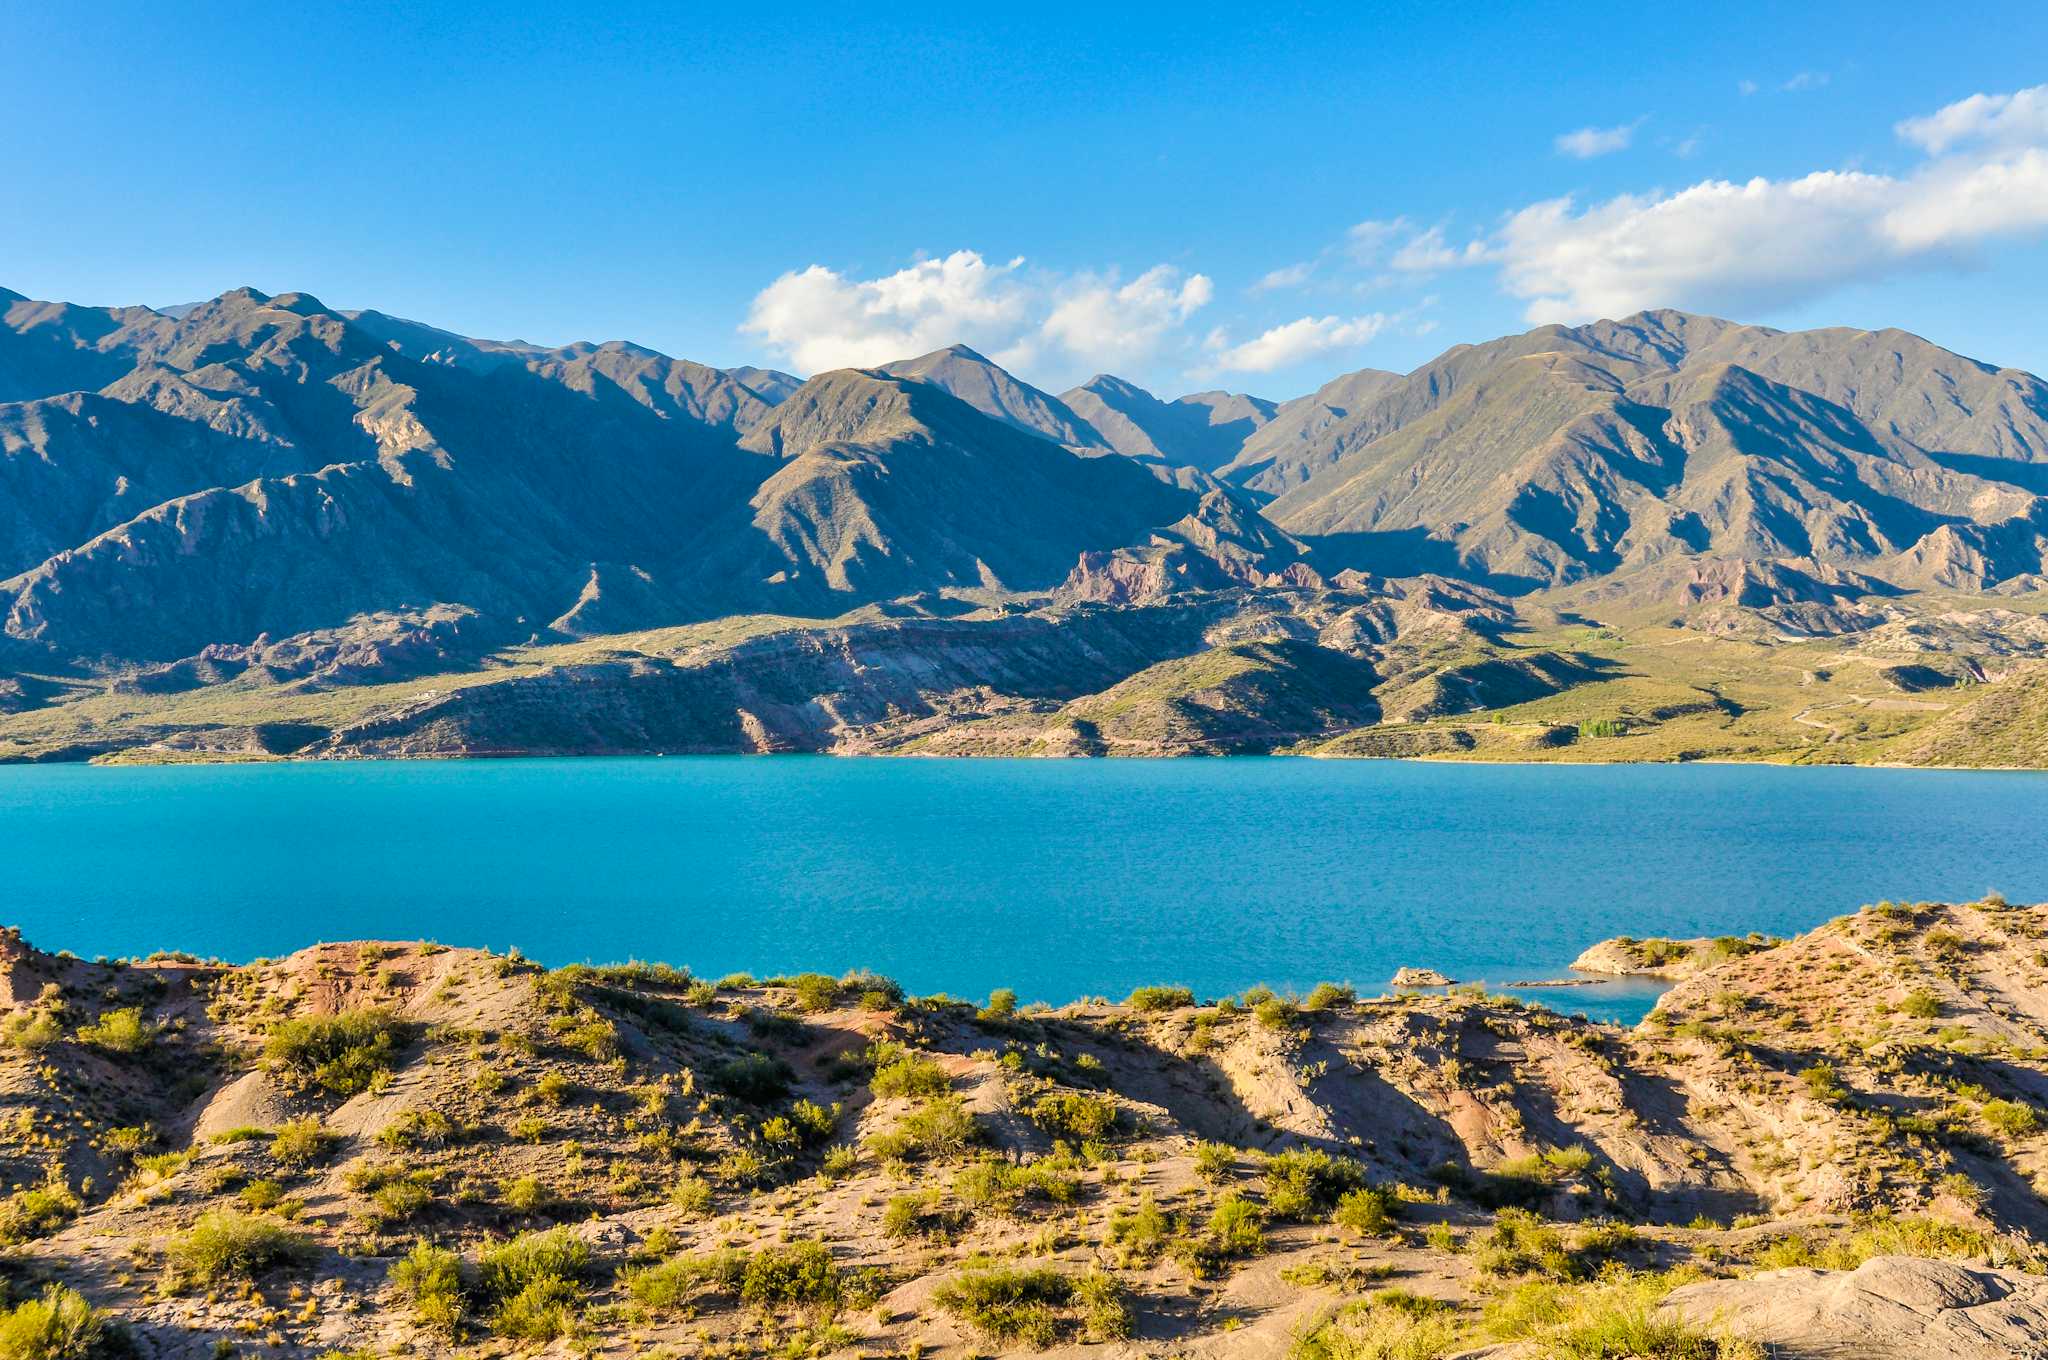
(818, 318)
(1295, 341)
(1107, 325)
(1589, 142)
(1805, 80)
(1427, 252)
(2020, 118)
(1290, 276)
(1766, 243)
(1367, 242)
(1745, 87)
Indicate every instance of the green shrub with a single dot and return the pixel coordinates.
(745, 1167)
(1328, 996)
(1616, 1317)
(422, 1128)
(542, 1310)
(907, 1074)
(1945, 945)
(260, 1195)
(595, 1037)
(815, 991)
(524, 1194)
(1368, 1211)
(430, 1279)
(1570, 1161)
(340, 1054)
(672, 1285)
(918, 1214)
(1006, 1304)
(1079, 1117)
(1141, 1234)
(121, 1032)
(692, 1195)
(533, 1283)
(33, 1031)
(1005, 1186)
(1236, 1227)
(1215, 1162)
(814, 1123)
(1519, 1243)
(1002, 1004)
(1822, 1082)
(1878, 1235)
(58, 1325)
(299, 1143)
(757, 1078)
(223, 1244)
(1921, 1004)
(938, 1128)
(38, 1210)
(1105, 1307)
(2009, 1117)
(1390, 1325)
(1304, 1181)
(1160, 999)
(1274, 1014)
(794, 1273)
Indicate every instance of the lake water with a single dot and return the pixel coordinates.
(1057, 878)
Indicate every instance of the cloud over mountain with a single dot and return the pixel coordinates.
(822, 319)
(1768, 242)
(1295, 341)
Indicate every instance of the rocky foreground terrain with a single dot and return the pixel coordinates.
(386, 1149)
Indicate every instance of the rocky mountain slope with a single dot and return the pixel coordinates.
(239, 497)
(1204, 430)
(372, 1147)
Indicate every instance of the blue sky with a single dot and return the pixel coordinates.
(1255, 198)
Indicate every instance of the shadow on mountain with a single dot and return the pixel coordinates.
(2028, 477)
(1404, 552)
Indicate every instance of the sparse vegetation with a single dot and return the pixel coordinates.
(725, 1147)
(1037, 1306)
(223, 1244)
(123, 1032)
(339, 1054)
(38, 1210)
(58, 1324)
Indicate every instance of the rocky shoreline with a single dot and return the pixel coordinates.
(365, 1148)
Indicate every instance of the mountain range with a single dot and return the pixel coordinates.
(191, 489)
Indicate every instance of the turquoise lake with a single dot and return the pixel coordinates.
(1057, 878)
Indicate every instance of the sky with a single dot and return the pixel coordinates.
(1257, 198)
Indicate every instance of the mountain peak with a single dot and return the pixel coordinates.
(299, 304)
(994, 391)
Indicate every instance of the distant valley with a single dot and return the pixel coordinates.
(259, 528)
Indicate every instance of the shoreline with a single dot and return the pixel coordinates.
(173, 760)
